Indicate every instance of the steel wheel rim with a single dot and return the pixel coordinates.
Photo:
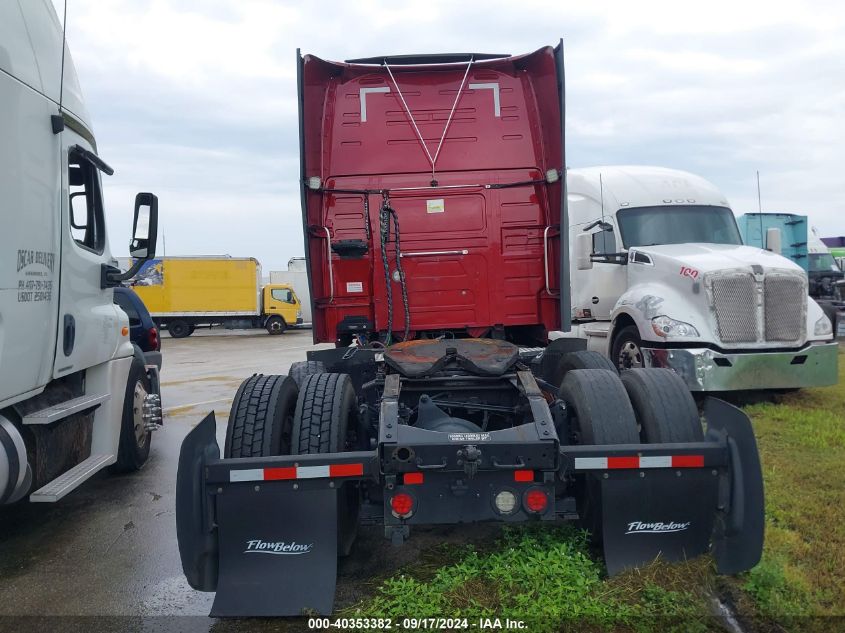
(630, 356)
(138, 398)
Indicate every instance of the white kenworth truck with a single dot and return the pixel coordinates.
(75, 394)
(660, 278)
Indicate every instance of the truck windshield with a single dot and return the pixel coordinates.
(823, 262)
(649, 226)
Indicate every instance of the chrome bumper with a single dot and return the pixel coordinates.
(707, 370)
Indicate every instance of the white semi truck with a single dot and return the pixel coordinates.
(75, 394)
(660, 278)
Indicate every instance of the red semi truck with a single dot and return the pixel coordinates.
(433, 200)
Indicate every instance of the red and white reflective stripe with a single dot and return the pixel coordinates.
(296, 472)
(634, 461)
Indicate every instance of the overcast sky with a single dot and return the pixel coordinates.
(195, 100)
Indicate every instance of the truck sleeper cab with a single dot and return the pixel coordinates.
(660, 278)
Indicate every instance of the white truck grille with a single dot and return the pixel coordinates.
(785, 307)
(734, 298)
(741, 318)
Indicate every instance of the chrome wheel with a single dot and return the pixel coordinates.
(138, 399)
(630, 356)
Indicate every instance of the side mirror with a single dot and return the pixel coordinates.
(774, 240)
(583, 250)
(145, 227)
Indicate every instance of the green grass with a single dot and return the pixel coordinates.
(802, 449)
(547, 577)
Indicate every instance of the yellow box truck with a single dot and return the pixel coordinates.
(183, 293)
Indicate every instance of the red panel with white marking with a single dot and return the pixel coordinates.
(297, 472)
(635, 461)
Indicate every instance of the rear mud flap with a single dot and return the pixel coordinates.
(738, 537)
(659, 515)
(676, 514)
(266, 548)
(278, 551)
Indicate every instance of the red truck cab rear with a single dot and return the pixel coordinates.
(468, 152)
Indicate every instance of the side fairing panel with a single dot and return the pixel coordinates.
(29, 238)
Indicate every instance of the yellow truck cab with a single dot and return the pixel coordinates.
(279, 300)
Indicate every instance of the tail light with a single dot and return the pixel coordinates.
(152, 339)
(402, 505)
(536, 501)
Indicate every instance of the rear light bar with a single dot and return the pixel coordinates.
(296, 472)
(635, 461)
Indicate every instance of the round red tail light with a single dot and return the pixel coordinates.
(402, 505)
(536, 501)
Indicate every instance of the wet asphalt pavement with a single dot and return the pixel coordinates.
(109, 548)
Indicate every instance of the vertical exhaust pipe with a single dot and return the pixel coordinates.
(15, 473)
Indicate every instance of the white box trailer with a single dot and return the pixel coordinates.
(75, 394)
(660, 278)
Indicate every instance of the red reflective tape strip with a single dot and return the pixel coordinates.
(271, 474)
(523, 475)
(412, 479)
(623, 462)
(687, 461)
(346, 470)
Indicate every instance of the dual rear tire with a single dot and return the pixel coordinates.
(273, 415)
(642, 406)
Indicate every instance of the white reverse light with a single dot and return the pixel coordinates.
(505, 502)
(552, 175)
(314, 183)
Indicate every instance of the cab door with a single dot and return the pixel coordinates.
(89, 324)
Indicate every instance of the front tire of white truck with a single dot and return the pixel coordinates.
(134, 447)
(626, 351)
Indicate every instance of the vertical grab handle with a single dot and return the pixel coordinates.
(329, 262)
(546, 260)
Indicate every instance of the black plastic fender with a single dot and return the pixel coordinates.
(740, 527)
(196, 532)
